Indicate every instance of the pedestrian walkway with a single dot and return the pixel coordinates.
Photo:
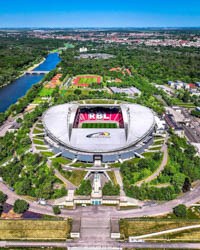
(175, 230)
(120, 182)
(95, 229)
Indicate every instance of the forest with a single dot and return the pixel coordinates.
(19, 53)
(159, 65)
(182, 169)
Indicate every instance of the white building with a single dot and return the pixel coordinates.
(160, 124)
(82, 50)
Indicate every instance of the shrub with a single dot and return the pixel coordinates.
(180, 211)
(56, 210)
(20, 206)
(3, 197)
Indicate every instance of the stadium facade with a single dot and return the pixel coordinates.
(106, 132)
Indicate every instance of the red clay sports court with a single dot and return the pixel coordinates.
(86, 80)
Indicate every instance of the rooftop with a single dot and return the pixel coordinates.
(58, 122)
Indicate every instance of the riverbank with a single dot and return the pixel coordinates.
(12, 92)
(29, 68)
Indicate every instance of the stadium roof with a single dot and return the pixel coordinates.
(58, 122)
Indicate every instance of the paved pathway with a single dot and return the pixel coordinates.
(95, 229)
(68, 184)
(119, 181)
(162, 165)
(164, 232)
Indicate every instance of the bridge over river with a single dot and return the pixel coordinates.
(38, 72)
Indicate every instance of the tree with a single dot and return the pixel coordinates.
(56, 210)
(187, 185)
(20, 206)
(110, 189)
(85, 188)
(77, 92)
(1, 209)
(3, 197)
(180, 210)
(178, 180)
(19, 120)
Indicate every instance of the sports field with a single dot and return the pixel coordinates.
(34, 229)
(86, 80)
(99, 125)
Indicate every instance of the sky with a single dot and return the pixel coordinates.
(99, 13)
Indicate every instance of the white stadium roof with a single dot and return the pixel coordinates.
(58, 122)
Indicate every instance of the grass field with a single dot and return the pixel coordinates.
(46, 92)
(39, 126)
(47, 154)
(81, 165)
(75, 177)
(61, 160)
(183, 104)
(100, 101)
(141, 227)
(41, 148)
(38, 100)
(38, 142)
(87, 80)
(34, 229)
(158, 143)
(37, 131)
(99, 125)
(118, 164)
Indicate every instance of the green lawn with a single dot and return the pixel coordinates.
(37, 131)
(75, 177)
(81, 165)
(156, 148)
(87, 80)
(61, 160)
(46, 92)
(40, 126)
(146, 154)
(39, 137)
(158, 143)
(41, 148)
(38, 100)
(38, 142)
(99, 125)
(47, 154)
(100, 101)
(178, 102)
(118, 164)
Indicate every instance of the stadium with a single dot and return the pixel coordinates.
(106, 132)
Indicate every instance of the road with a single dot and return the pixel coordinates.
(8, 123)
(108, 245)
(188, 199)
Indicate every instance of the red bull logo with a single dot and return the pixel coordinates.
(99, 135)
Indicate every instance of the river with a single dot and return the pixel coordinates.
(12, 92)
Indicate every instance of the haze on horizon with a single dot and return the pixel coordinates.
(104, 13)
